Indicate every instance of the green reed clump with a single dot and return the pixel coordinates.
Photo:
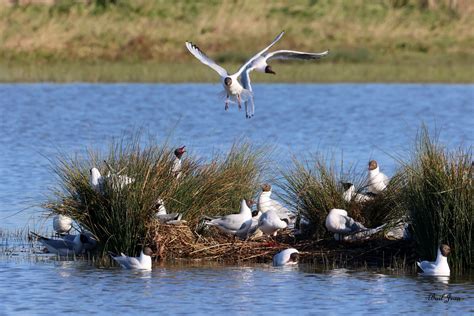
(314, 188)
(121, 216)
(439, 195)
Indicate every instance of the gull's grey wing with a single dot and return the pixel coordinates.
(292, 54)
(199, 54)
(426, 265)
(249, 104)
(57, 243)
(230, 222)
(244, 66)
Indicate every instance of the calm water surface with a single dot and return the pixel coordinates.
(357, 122)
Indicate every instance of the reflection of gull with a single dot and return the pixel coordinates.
(351, 194)
(286, 257)
(64, 246)
(269, 223)
(233, 88)
(62, 224)
(440, 267)
(260, 64)
(139, 263)
(235, 224)
(376, 180)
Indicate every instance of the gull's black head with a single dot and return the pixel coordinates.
(373, 165)
(346, 185)
(228, 81)
(445, 250)
(147, 251)
(269, 70)
(178, 152)
(294, 257)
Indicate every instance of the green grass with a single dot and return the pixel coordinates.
(196, 72)
(370, 40)
(314, 187)
(439, 194)
(122, 219)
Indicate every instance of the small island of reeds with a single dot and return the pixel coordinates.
(432, 190)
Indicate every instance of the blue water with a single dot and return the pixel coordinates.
(355, 121)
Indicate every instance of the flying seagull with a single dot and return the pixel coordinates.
(233, 89)
(260, 64)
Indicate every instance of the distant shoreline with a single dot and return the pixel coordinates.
(290, 72)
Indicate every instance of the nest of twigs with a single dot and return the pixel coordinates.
(174, 242)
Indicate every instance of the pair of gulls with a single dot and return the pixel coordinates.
(242, 91)
(271, 217)
(143, 262)
(377, 182)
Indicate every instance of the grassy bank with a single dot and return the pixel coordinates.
(384, 40)
(196, 72)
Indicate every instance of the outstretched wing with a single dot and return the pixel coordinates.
(292, 54)
(244, 66)
(193, 49)
(249, 105)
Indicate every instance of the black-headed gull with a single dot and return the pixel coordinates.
(346, 228)
(286, 257)
(269, 223)
(233, 88)
(143, 262)
(260, 64)
(351, 194)
(64, 246)
(376, 180)
(266, 203)
(235, 224)
(440, 267)
(62, 224)
(96, 180)
(117, 181)
(339, 222)
(176, 168)
(163, 216)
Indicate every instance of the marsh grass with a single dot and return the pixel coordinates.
(143, 41)
(314, 187)
(439, 195)
(121, 217)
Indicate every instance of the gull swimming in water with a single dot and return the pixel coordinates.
(233, 89)
(351, 194)
(143, 262)
(260, 64)
(176, 168)
(286, 257)
(163, 216)
(266, 203)
(440, 267)
(62, 224)
(64, 246)
(235, 224)
(269, 223)
(376, 180)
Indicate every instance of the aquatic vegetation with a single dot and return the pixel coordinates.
(122, 216)
(315, 187)
(440, 196)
